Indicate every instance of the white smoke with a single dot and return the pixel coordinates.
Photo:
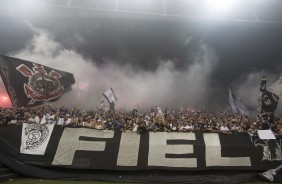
(249, 88)
(166, 87)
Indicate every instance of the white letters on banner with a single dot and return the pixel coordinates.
(70, 143)
(158, 149)
(213, 153)
(128, 149)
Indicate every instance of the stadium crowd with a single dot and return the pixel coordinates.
(151, 120)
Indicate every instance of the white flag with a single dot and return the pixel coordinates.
(231, 101)
(238, 105)
(109, 94)
(277, 87)
(35, 138)
(159, 110)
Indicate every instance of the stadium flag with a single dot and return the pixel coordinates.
(35, 138)
(269, 101)
(31, 84)
(232, 101)
(277, 87)
(110, 96)
(159, 110)
(238, 105)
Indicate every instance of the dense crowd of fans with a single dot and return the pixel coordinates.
(151, 120)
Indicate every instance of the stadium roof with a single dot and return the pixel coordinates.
(254, 11)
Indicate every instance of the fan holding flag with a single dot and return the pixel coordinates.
(268, 104)
(110, 96)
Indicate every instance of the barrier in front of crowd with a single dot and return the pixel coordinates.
(84, 148)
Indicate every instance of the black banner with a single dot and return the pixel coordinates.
(31, 84)
(83, 148)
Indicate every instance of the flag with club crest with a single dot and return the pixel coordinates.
(31, 84)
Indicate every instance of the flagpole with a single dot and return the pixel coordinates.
(46, 94)
(262, 89)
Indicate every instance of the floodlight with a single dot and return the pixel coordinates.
(219, 6)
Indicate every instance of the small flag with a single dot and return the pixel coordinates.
(110, 96)
(159, 110)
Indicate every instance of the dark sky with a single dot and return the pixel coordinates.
(144, 41)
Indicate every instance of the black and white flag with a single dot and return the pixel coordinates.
(110, 96)
(35, 138)
(238, 106)
(277, 87)
(269, 100)
(32, 84)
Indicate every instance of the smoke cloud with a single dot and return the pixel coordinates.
(165, 87)
(248, 89)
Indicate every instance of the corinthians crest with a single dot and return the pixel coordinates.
(41, 86)
(271, 149)
(36, 136)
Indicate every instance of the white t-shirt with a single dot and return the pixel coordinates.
(50, 118)
(36, 120)
(60, 121)
(135, 127)
(68, 121)
(43, 120)
(224, 128)
(189, 127)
